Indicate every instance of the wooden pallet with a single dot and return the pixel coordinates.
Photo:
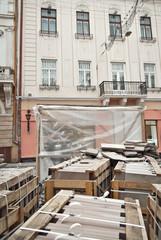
(154, 213)
(20, 196)
(85, 176)
(14, 178)
(14, 217)
(91, 217)
(135, 180)
(22, 193)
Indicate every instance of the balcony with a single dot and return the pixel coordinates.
(122, 91)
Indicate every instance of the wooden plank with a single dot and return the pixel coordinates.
(69, 184)
(153, 205)
(148, 216)
(119, 167)
(12, 218)
(89, 188)
(48, 186)
(103, 176)
(26, 188)
(156, 188)
(115, 186)
(9, 195)
(30, 206)
(151, 234)
(38, 220)
(63, 164)
(133, 218)
(132, 185)
(14, 175)
(98, 168)
(140, 216)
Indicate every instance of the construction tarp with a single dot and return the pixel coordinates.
(62, 131)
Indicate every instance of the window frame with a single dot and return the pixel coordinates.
(118, 84)
(84, 74)
(48, 18)
(49, 73)
(115, 23)
(146, 126)
(149, 73)
(145, 31)
(83, 21)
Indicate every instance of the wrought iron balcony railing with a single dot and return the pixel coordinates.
(123, 88)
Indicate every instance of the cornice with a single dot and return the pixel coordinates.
(56, 99)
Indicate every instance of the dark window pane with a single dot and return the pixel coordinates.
(48, 20)
(82, 23)
(115, 25)
(44, 24)
(145, 27)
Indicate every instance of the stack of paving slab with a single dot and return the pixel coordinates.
(89, 174)
(72, 216)
(136, 168)
(19, 197)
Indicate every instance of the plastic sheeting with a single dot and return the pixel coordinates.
(64, 130)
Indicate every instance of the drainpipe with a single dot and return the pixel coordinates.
(20, 82)
(15, 78)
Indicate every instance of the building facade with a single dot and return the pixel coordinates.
(82, 53)
(7, 78)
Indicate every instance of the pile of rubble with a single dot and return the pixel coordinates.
(129, 151)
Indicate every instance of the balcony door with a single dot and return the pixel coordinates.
(118, 76)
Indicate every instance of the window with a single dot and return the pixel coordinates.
(151, 132)
(84, 74)
(118, 76)
(83, 24)
(115, 25)
(48, 72)
(149, 75)
(48, 21)
(145, 25)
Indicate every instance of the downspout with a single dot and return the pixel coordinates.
(15, 78)
(20, 83)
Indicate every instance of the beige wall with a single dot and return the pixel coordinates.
(68, 50)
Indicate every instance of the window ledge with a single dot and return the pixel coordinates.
(156, 89)
(49, 34)
(54, 87)
(121, 39)
(79, 36)
(153, 40)
(91, 88)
